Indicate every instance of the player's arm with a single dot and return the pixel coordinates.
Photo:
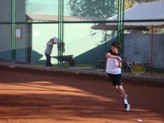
(119, 64)
(109, 55)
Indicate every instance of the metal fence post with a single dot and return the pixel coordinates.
(13, 20)
(60, 30)
(120, 27)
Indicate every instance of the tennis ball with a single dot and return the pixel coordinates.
(139, 120)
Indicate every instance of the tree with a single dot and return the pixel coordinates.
(99, 8)
(92, 8)
(140, 1)
(131, 3)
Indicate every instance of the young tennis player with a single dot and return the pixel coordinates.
(113, 69)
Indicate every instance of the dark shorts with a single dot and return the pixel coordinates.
(115, 78)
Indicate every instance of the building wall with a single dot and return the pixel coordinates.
(22, 43)
(138, 47)
(5, 31)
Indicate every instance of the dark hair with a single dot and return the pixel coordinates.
(116, 44)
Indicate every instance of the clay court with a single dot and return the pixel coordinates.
(33, 96)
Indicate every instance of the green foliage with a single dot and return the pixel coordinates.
(99, 8)
(131, 3)
(140, 1)
(92, 8)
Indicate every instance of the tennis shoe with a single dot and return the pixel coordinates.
(127, 107)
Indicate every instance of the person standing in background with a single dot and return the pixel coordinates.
(48, 50)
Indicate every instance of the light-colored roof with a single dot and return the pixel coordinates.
(42, 18)
(144, 11)
(54, 18)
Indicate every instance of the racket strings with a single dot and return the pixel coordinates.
(138, 68)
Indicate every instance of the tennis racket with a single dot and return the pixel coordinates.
(137, 68)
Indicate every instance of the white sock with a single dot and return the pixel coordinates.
(125, 101)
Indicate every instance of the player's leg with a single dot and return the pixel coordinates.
(123, 95)
(117, 82)
(120, 89)
(118, 85)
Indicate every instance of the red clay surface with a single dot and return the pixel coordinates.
(30, 96)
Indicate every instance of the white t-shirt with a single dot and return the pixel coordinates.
(49, 46)
(112, 65)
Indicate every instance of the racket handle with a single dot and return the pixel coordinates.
(120, 60)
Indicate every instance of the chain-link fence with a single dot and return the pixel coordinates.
(87, 28)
